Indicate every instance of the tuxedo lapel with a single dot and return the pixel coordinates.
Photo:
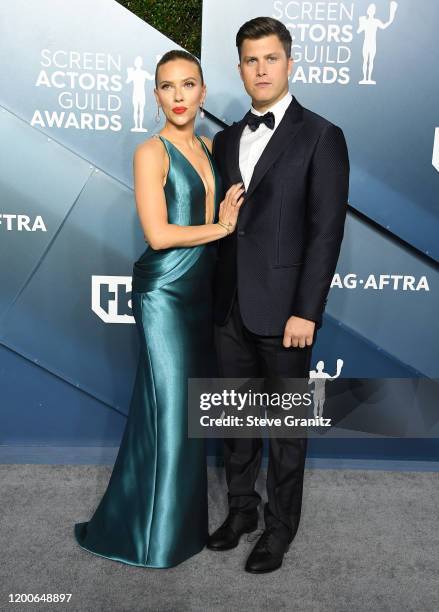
(285, 132)
(232, 151)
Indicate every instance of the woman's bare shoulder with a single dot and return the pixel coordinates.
(151, 147)
(151, 160)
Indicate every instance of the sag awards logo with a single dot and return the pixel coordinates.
(89, 91)
(323, 33)
(318, 378)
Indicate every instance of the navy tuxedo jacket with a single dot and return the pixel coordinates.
(282, 255)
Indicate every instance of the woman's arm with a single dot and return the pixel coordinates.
(149, 174)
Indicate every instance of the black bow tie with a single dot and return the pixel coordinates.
(254, 121)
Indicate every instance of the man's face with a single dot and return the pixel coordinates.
(264, 69)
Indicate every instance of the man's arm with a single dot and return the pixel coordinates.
(326, 213)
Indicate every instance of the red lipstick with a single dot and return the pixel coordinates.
(179, 109)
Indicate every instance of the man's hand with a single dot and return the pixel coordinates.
(298, 332)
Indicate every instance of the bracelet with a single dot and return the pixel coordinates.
(226, 227)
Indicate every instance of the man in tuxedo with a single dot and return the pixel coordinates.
(274, 272)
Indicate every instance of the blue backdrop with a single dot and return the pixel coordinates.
(71, 116)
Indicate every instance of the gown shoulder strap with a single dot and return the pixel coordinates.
(167, 151)
(204, 145)
(163, 141)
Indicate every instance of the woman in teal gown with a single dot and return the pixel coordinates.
(154, 510)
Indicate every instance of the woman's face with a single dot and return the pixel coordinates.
(179, 91)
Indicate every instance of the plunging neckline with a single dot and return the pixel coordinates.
(207, 153)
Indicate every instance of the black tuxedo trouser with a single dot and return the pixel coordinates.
(243, 354)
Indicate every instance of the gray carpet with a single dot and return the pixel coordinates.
(368, 540)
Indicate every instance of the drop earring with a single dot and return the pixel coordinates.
(202, 114)
(157, 117)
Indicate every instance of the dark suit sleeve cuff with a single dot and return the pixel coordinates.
(308, 316)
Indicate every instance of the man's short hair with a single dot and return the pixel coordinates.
(264, 26)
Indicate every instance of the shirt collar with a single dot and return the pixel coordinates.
(277, 109)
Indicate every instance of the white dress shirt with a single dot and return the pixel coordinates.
(252, 144)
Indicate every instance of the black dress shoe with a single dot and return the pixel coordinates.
(236, 524)
(268, 553)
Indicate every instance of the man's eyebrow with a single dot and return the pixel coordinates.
(247, 57)
(185, 79)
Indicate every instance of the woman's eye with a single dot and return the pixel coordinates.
(165, 86)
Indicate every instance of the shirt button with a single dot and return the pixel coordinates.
(241, 233)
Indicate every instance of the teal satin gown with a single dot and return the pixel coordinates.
(154, 511)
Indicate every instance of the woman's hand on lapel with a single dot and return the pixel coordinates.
(229, 207)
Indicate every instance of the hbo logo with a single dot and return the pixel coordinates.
(111, 298)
